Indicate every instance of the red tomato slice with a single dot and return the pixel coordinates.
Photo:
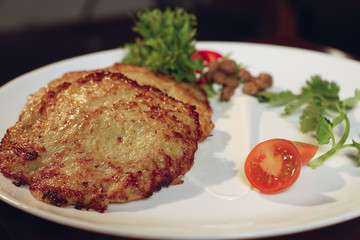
(307, 151)
(273, 166)
(202, 80)
(206, 56)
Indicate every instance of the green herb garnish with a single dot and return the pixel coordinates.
(322, 111)
(166, 43)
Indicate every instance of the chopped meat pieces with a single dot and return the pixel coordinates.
(263, 81)
(250, 88)
(227, 66)
(227, 93)
(231, 82)
(244, 75)
(219, 77)
(225, 72)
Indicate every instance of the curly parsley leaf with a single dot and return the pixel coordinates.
(165, 44)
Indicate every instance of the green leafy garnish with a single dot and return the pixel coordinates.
(309, 118)
(166, 43)
(209, 90)
(322, 111)
(276, 98)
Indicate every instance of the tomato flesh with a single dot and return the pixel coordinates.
(307, 151)
(206, 56)
(273, 166)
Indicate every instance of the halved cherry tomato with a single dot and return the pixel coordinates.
(306, 150)
(273, 166)
(206, 56)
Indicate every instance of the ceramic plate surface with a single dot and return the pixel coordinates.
(215, 200)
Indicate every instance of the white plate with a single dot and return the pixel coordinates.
(215, 201)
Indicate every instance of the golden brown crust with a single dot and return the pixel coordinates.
(184, 92)
(101, 138)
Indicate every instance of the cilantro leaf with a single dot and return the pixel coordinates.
(324, 130)
(277, 98)
(291, 107)
(309, 118)
(351, 102)
(338, 119)
(318, 98)
(323, 88)
(264, 96)
(356, 145)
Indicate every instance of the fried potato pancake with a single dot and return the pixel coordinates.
(184, 92)
(181, 91)
(99, 139)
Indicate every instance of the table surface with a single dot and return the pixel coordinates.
(16, 224)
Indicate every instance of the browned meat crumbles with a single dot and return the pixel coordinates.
(225, 72)
(99, 139)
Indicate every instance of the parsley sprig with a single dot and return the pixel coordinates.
(322, 112)
(166, 43)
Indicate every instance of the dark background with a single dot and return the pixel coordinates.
(300, 23)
